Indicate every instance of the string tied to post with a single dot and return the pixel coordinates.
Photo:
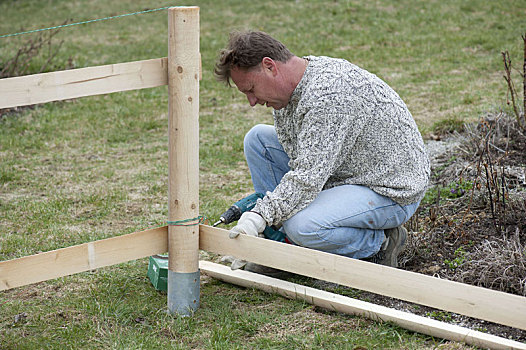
(201, 219)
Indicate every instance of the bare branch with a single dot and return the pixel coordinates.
(524, 80)
(511, 89)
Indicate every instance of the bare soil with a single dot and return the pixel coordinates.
(471, 227)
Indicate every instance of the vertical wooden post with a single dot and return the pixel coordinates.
(183, 186)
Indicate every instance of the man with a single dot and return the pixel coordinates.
(344, 165)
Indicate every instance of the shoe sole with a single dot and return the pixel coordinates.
(267, 271)
(399, 246)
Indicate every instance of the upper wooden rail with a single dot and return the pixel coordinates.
(89, 81)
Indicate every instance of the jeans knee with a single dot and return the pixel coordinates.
(253, 138)
(297, 237)
(348, 241)
(297, 231)
(306, 235)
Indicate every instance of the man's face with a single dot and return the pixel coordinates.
(261, 85)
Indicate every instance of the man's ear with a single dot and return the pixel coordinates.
(269, 66)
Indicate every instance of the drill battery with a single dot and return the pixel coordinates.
(158, 271)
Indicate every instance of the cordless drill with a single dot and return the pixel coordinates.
(248, 203)
(234, 212)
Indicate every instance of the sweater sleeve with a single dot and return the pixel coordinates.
(319, 151)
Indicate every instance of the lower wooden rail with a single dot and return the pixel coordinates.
(83, 257)
(352, 306)
(482, 303)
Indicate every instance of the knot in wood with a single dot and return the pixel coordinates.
(179, 69)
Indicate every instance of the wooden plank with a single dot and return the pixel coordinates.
(183, 138)
(456, 297)
(62, 85)
(88, 256)
(351, 306)
(83, 257)
(486, 304)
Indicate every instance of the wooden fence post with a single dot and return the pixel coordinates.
(183, 185)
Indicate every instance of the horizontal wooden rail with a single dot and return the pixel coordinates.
(352, 306)
(83, 257)
(482, 303)
(63, 85)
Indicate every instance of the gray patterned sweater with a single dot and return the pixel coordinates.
(344, 125)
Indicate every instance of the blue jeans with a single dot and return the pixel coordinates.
(347, 220)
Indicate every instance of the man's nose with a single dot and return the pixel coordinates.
(252, 100)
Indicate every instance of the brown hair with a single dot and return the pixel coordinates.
(246, 50)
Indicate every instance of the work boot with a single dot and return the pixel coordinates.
(394, 244)
(267, 271)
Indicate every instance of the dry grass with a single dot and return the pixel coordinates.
(497, 263)
(308, 321)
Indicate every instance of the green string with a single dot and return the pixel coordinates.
(200, 220)
(90, 21)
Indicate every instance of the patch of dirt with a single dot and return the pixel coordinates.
(471, 227)
(472, 220)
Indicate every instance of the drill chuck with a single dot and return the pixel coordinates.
(232, 214)
(237, 209)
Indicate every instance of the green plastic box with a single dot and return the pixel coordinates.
(158, 271)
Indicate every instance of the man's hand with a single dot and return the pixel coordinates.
(250, 223)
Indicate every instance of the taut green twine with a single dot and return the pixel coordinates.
(200, 220)
(84, 22)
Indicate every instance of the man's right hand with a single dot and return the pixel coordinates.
(250, 223)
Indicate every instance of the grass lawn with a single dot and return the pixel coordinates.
(96, 167)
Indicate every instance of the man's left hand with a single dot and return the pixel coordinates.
(250, 223)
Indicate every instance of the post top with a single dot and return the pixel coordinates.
(183, 8)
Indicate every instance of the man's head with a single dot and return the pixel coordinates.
(261, 67)
(246, 51)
